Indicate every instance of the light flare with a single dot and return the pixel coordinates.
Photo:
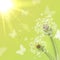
(5, 5)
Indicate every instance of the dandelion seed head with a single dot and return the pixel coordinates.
(37, 45)
(45, 25)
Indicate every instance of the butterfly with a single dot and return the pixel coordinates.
(24, 12)
(21, 51)
(35, 1)
(13, 34)
(57, 35)
(2, 50)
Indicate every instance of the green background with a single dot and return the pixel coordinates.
(16, 19)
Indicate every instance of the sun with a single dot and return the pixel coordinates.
(5, 5)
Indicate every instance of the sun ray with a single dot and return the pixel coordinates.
(8, 10)
(5, 8)
(3, 24)
(8, 22)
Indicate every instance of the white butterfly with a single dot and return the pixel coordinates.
(21, 51)
(35, 1)
(48, 12)
(26, 38)
(24, 12)
(57, 35)
(13, 34)
(2, 50)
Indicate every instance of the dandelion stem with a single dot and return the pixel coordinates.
(54, 47)
(49, 56)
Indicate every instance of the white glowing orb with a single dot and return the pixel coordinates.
(5, 5)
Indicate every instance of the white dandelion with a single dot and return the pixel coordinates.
(45, 25)
(38, 46)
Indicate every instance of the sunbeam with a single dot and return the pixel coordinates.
(10, 9)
